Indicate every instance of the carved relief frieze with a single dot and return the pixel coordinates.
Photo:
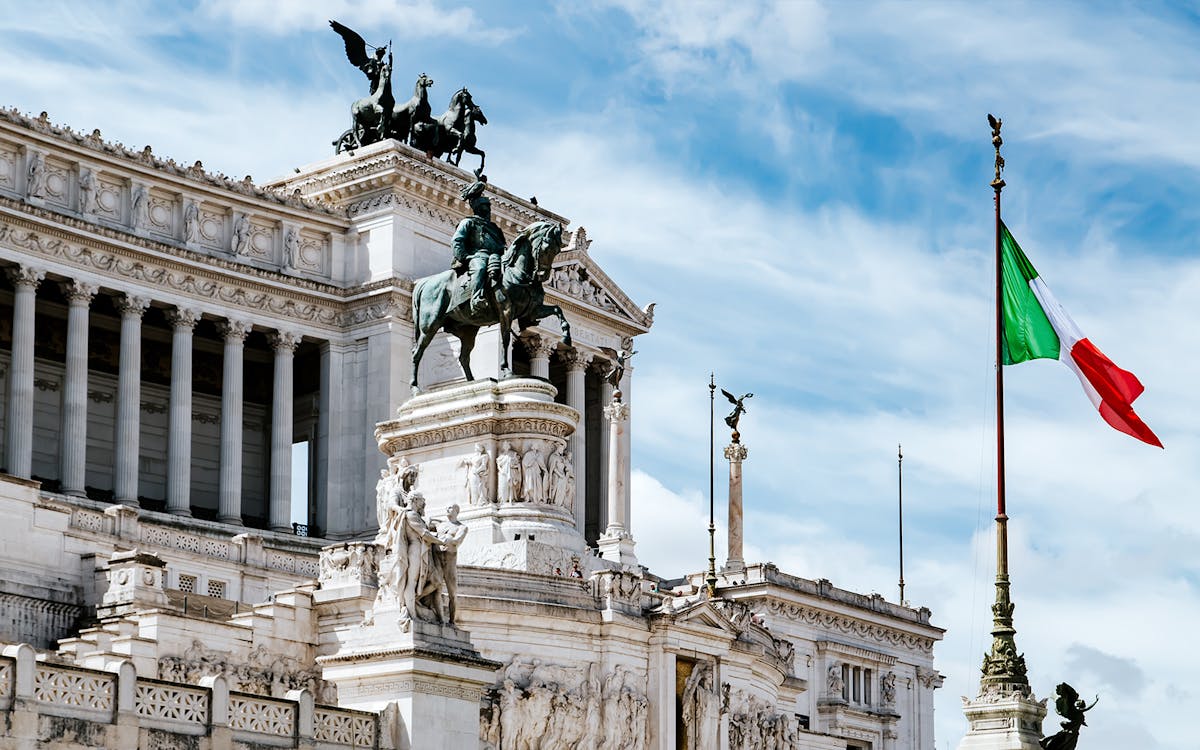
(755, 723)
(110, 195)
(539, 704)
(263, 672)
(9, 156)
(179, 280)
(56, 188)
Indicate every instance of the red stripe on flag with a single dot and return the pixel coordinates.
(1117, 388)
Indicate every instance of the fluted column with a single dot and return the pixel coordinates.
(736, 453)
(18, 443)
(626, 452)
(539, 348)
(230, 483)
(606, 398)
(284, 343)
(616, 544)
(179, 437)
(577, 362)
(129, 399)
(73, 450)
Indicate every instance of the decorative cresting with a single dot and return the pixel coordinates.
(64, 686)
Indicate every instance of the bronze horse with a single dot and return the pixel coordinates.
(439, 304)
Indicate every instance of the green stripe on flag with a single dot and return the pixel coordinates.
(1027, 332)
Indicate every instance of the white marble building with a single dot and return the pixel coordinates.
(169, 339)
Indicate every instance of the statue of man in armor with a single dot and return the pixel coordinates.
(478, 245)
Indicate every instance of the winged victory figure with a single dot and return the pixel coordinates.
(620, 360)
(1072, 708)
(739, 408)
(370, 116)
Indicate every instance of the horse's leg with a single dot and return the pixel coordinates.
(466, 335)
(505, 342)
(546, 311)
(426, 326)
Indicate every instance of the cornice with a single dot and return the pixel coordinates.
(130, 259)
(852, 626)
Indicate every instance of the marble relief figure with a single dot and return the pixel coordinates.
(700, 708)
(35, 183)
(87, 191)
(241, 235)
(533, 473)
(561, 478)
(421, 562)
(508, 474)
(478, 465)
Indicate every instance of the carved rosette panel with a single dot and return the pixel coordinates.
(67, 687)
(160, 215)
(211, 227)
(313, 252)
(57, 191)
(110, 194)
(262, 241)
(343, 727)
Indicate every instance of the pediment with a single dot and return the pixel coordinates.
(703, 614)
(580, 279)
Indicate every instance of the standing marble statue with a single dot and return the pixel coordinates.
(411, 564)
(508, 474)
(291, 249)
(478, 465)
(451, 532)
(533, 473)
(241, 235)
(35, 183)
(87, 191)
(700, 708)
(138, 210)
(191, 222)
(560, 477)
(392, 490)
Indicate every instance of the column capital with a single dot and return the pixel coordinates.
(183, 317)
(79, 292)
(736, 452)
(538, 345)
(576, 359)
(284, 341)
(617, 411)
(26, 276)
(233, 329)
(601, 366)
(131, 304)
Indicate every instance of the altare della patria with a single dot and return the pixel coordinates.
(460, 371)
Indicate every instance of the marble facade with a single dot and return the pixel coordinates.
(172, 334)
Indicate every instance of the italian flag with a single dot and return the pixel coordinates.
(1036, 326)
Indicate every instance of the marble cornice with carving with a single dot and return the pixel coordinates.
(366, 180)
(128, 258)
(195, 177)
(852, 626)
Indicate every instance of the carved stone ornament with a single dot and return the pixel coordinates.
(849, 626)
(79, 292)
(131, 304)
(754, 723)
(420, 561)
(347, 563)
(538, 704)
(264, 672)
(25, 276)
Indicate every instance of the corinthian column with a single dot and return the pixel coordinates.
(606, 397)
(129, 399)
(577, 362)
(616, 544)
(179, 438)
(539, 348)
(736, 453)
(230, 502)
(18, 447)
(284, 343)
(73, 457)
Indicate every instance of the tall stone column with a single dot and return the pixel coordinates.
(129, 399)
(539, 348)
(606, 451)
(284, 343)
(179, 437)
(577, 362)
(616, 544)
(736, 453)
(229, 503)
(626, 448)
(18, 445)
(73, 455)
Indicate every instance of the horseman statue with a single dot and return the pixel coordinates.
(487, 284)
(378, 116)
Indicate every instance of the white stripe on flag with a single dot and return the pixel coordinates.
(1068, 334)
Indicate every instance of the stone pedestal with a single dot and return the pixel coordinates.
(527, 524)
(1003, 720)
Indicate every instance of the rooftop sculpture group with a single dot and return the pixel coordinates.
(378, 116)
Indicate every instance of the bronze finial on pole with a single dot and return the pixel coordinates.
(1003, 667)
(711, 578)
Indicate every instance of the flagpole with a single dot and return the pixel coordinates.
(711, 579)
(1003, 666)
(900, 498)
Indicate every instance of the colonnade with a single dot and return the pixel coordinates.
(18, 427)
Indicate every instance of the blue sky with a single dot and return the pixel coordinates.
(802, 187)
